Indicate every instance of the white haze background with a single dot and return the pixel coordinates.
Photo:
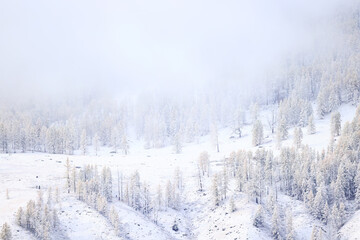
(65, 48)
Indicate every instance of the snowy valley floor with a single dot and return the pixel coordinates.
(20, 173)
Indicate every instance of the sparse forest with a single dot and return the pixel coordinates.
(277, 159)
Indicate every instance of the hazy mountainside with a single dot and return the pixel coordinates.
(327, 72)
(281, 161)
(243, 191)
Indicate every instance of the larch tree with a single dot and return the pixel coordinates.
(67, 175)
(357, 198)
(215, 190)
(5, 232)
(298, 136)
(259, 218)
(125, 144)
(83, 142)
(177, 143)
(257, 133)
(275, 224)
(335, 124)
(289, 226)
(204, 163)
(311, 129)
(231, 205)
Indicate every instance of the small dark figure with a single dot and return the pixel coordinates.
(175, 227)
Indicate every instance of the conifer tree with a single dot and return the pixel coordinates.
(231, 206)
(298, 136)
(259, 218)
(83, 142)
(257, 133)
(5, 232)
(289, 226)
(335, 124)
(275, 224)
(311, 125)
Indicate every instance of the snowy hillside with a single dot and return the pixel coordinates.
(196, 216)
(180, 120)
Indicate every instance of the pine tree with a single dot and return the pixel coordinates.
(169, 194)
(298, 136)
(20, 217)
(68, 180)
(73, 179)
(338, 215)
(5, 232)
(125, 144)
(231, 206)
(259, 218)
(289, 226)
(57, 195)
(224, 180)
(114, 220)
(83, 142)
(159, 198)
(314, 233)
(319, 202)
(55, 219)
(342, 214)
(215, 190)
(282, 129)
(275, 224)
(357, 198)
(335, 124)
(340, 185)
(204, 164)
(101, 204)
(311, 125)
(257, 133)
(177, 143)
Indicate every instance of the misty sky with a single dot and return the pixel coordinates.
(54, 47)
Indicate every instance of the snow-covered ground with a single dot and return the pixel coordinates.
(20, 173)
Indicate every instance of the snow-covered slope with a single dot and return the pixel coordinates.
(197, 219)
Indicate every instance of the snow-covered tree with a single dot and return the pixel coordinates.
(311, 125)
(335, 124)
(281, 131)
(204, 163)
(275, 224)
(289, 226)
(20, 217)
(231, 206)
(83, 142)
(357, 198)
(298, 136)
(125, 144)
(257, 133)
(215, 190)
(259, 218)
(177, 143)
(5, 232)
(114, 219)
